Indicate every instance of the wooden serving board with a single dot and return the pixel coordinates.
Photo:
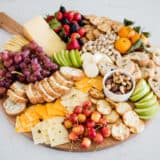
(71, 147)
(13, 27)
(10, 25)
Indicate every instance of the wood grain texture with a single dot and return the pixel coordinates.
(71, 147)
(10, 25)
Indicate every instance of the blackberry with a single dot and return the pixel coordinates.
(73, 27)
(80, 41)
(81, 22)
(65, 38)
(62, 9)
(82, 17)
(65, 21)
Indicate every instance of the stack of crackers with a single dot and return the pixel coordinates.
(95, 26)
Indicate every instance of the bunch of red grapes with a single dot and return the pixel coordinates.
(87, 124)
(30, 65)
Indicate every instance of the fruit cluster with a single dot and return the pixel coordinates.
(131, 38)
(146, 103)
(69, 26)
(30, 65)
(68, 58)
(87, 124)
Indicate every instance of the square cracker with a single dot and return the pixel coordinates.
(57, 135)
(40, 133)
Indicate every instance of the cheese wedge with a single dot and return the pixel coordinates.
(39, 31)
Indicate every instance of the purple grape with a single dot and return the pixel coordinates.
(31, 61)
(46, 60)
(33, 78)
(21, 78)
(26, 72)
(8, 63)
(33, 45)
(17, 66)
(8, 75)
(38, 75)
(1, 55)
(45, 73)
(12, 68)
(32, 56)
(25, 53)
(17, 58)
(2, 72)
(2, 83)
(5, 56)
(41, 56)
(11, 55)
(34, 61)
(39, 49)
(53, 66)
(7, 83)
(23, 65)
(2, 91)
(27, 60)
(36, 67)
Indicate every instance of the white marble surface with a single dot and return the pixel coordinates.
(143, 147)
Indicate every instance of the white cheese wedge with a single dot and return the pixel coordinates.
(39, 31)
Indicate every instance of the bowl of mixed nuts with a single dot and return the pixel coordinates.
(118, 85)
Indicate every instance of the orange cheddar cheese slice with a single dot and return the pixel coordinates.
(23, 124)
(86, 84)
(42, 111)
(35, 113)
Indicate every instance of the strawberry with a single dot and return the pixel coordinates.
(66, 29)
(49, 18)
(73, 44)
(65, 15)
(59, 16)
(70, 16)
(77, 17)
(57, 29)
(81, 32)
(75, 35)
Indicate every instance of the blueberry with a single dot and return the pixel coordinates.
(82, 17)
(62, 9)
(80, 41)
(65, 38)
(65, 21)
(81, 22)
(73, 27)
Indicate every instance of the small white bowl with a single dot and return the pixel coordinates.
(118, 97)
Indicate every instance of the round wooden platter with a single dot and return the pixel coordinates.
(71, 147)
